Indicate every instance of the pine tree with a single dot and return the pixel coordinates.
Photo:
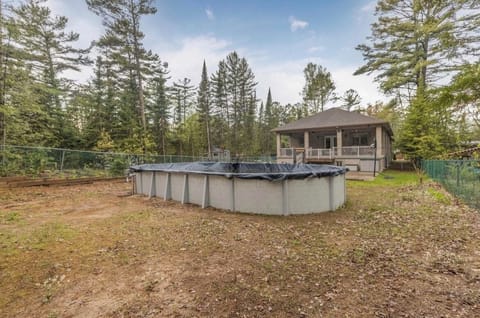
(48, 50)
(158, 106)
(350, 99)
(23, 121)
(4, 49)
(182, 94)
(234, 86)
(220, 107)
(123, 38)
(415, 43)
(268, 124)
(319, 88)
(203, 109)
(463, 92)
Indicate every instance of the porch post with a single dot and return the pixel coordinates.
(379, 140)
(339, 142)
(306, 141)
(279, 144)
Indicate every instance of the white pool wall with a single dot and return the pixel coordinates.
(286, 197)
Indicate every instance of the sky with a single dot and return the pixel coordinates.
(277, 37)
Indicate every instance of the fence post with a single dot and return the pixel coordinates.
(3, 152)
(62, 160)
(458, 175)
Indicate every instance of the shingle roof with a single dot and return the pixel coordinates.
(332, 118)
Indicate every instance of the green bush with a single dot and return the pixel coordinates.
(118, 167)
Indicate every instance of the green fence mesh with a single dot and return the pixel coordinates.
(459, 177)
(35, 161)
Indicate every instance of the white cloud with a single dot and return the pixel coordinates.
(210, 14)
(314, 49)
(186, 56)
(363, 84)
(285, 77)
(186, 59)
(80, 20)
(286, 80)
(369, 7)
(296, 24)
(84, 22)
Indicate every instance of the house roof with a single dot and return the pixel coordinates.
(332, 118)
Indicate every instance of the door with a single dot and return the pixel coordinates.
(330, 142)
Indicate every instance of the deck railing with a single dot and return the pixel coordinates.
(287, 152)
(324, 153)
(357, 151)
(320, 153)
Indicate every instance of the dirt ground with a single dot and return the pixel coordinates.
(397, 249)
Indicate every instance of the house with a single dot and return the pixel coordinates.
(339, 137)
(219, 154)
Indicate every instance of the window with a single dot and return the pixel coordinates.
(330, 142)
(360, 139)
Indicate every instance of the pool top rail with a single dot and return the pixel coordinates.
(264, 171)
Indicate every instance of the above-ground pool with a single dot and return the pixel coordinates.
(278, 189)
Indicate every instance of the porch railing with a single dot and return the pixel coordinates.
(320, 153)
(357, 151)
(323, 153)
(287, 152)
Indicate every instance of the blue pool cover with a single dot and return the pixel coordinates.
(265, 171)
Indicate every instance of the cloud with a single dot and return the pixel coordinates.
(296, 24)
(84, 22)
(369, 7)
(185, 60)
(284, 77)
(286, 80)
(314, 49)
(363, 84)
(210, 14)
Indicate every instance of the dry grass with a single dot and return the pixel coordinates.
(396, 249)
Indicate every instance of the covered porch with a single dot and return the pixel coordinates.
(325, 146)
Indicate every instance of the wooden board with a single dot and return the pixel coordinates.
(9, 179)
(56, 182)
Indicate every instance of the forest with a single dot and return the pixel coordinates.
(423, 53)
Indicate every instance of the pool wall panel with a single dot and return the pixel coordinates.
(146, 181)
(176, 186)
(340, 192)
(221, 192)
(258, 195)
(160, 179)
(195, 188)
(308, 195)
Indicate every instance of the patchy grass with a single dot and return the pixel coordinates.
(397, 248)
(439, 196)
(391, 178)
(9, 217)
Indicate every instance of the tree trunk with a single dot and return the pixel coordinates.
(209, 146)
(3, 66)
(136, 56)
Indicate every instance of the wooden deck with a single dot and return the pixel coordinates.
(320, 160)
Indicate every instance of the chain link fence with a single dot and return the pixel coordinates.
(459, 177)
(43, 161)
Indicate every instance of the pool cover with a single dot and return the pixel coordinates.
(265, 171)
